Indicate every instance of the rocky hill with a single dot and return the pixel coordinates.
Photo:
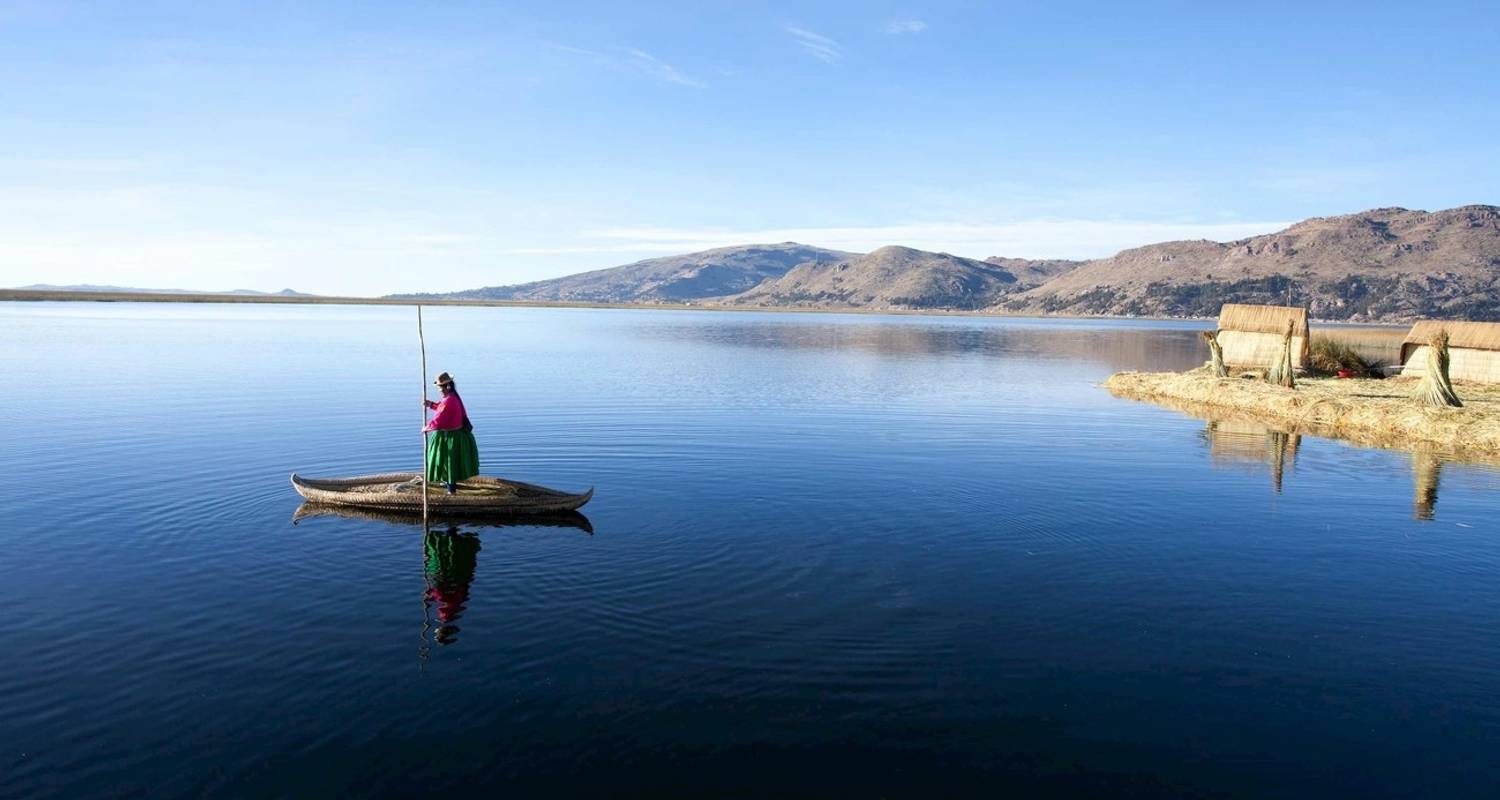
(710, 273)
(1383, 264)
(1035, 273)
(888, 278)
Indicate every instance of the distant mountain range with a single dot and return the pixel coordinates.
(1382, 265)
(91, 287)
(1385, 264)
(670, 279)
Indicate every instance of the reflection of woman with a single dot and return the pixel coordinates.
(451, 558)
(452, 453)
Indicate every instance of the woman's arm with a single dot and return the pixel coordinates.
(449, 416)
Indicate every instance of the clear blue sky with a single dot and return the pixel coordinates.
(366, 148)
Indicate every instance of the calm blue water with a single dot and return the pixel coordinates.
(839, 555)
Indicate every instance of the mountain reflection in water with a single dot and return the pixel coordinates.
(1117, 346)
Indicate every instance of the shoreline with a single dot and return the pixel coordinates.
(33, 296)
(1370, 412)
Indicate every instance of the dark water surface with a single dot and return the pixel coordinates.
(843, 555)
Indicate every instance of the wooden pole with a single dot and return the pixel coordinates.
(422, 340)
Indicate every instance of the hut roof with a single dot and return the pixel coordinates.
(1263, 319)
(1468, 335)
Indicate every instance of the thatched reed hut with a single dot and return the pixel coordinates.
(1252, 335)
(1473, 349)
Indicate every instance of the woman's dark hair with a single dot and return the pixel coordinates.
(446, 384)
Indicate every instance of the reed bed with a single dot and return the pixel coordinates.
(1376, 412)
(1330, 355)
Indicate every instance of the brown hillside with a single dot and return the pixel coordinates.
(889, 278)
(1384, 264)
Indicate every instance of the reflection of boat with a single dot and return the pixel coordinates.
(560, 519)
(402, 491)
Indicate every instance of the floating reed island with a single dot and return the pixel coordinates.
(1263, 364)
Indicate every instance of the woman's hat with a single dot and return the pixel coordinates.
(443, 379)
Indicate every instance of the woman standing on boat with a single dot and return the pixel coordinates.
(452, 453)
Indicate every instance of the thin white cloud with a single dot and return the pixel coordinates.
(581, 51)
(655, 67)
(1047, 238)
(905, 25)
(635, 60)
(817, 45)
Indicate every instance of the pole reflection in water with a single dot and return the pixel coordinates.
(450, 558)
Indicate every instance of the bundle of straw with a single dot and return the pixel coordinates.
(1215, 355)
(1436, 389)
(1282, 372)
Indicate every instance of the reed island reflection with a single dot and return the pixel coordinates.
(1236, 442)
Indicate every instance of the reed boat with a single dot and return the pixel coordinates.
(402, 492)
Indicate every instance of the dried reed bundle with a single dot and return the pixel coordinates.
(1436, 389)
(1215, 355)
(1282, 372)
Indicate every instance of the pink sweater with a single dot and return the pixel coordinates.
(450, 414)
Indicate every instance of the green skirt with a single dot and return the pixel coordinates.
(452, 456)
